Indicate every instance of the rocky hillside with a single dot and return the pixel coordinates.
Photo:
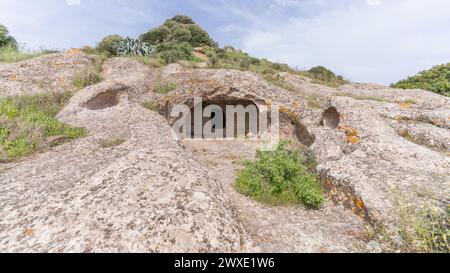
(102, 170)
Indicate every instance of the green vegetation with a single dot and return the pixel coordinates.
(177, 30)
(10, 54)
(91, 75)
(151, 61)
(151, 106)
(163, 87)
(280, 177)
(322, 75)
(110, 45)
(10, 51)
(109, 143)
(27, 121)
(176, 38)
(424, 231)
(230, 58)
(133, 47)
(86, 78)
(174, 52)
(279, 81)
(6, 39)
(179, 37)
(436, 80)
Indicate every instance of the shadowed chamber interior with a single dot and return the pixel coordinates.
(222, 104)
(331, 118)
(104, 100)
(303, 135)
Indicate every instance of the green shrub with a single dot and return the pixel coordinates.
(179, 29)
(27, 121)
(322, 75)
(110, 45)
(6, 39)
(181, 34)
(183, 19)
(245, 63)
(280, 177)
(156, 36)
(174, 52)
(199, 37)
(213, 60)
(436, 80)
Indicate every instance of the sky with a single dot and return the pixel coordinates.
(377, 41)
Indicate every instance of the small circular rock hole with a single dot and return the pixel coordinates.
(331, 118)
(103, 100)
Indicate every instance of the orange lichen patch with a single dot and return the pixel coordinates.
(329, 183)
(351, 133)
(405, 134)
(13, 77)
(353, 139)
(292, 115)
(359, 204)
(404, 105)
(29, 232)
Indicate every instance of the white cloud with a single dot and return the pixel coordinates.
(383, 45)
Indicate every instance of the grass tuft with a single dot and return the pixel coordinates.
(10, 54)
(163, 87)
(425, 231)
(91, 75)
(27, 121)
(151, 106)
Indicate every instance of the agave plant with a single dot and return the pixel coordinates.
(136, 47)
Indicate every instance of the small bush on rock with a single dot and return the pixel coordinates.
(6, 39)
(179, 29)
(110, 45)
(280, 177)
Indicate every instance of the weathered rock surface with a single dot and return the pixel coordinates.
(374, 145)
(365, 161)
(53, 72)
(146, 195)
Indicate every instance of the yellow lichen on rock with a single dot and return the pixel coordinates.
(351, 133)
(74, 51)
(404, 105)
